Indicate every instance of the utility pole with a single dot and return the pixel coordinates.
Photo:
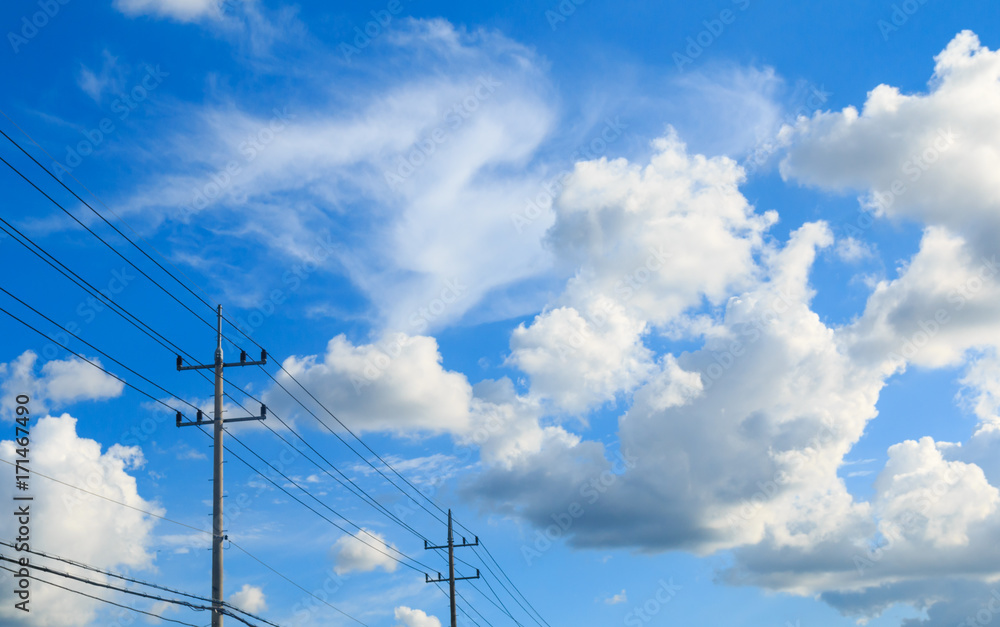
(217, 530)
(451, 546)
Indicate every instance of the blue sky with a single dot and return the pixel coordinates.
(704, 292)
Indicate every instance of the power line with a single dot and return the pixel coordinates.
(103, 204)
(227, 431)
(208, 533)
(108, 573)
(98, 350)
(494, 604)
(238, 440)
(295, 584)
(101, 496)
(80, 282)
(112, 248)
(313, 397)
(500, 568)
(95, 212)
(131, 579)
(293, 482)
(144, 595)
(343, 441)
(123, 381)
(89, 596)
(462, 609)
(471, 607)
(163, 341)
(107, 586)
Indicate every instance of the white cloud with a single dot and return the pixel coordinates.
(712, 427)
(396, 385)
(108, 78)
(411, 151)
(62, 382)
(948, 495)
(415, 618)
(180, 10)
(946, 301)
(726, 111)
(576, 363)
(929, 157)
(362, 553)
(621, 597)
(640, 239)
(249, 599)
(852, 250)
(76, 525)
(639, 234)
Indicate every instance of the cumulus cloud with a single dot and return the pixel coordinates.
(944, 302)
(249, 598)
(415, 618)
(925, 538)
(362, 553)
(949, 496)
(639, 237)
(577, 365)
(61, 383)
(74, 524)
(397, 385)
(928, 157)
(738, 403)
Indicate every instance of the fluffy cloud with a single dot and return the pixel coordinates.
(395, 385)
(350, 554)
(415, 618)
(944, 302)
(949, 496)
(648, 243)
(62, 382)
(76, 525)
(577, 364)
(926, 540)
(929, 157)
(640, 235)
(249, 599)
(712, 429)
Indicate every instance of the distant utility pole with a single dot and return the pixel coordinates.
(451, 546)
(217, 422)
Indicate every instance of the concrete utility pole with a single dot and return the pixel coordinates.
(218, 535)
(451, 546)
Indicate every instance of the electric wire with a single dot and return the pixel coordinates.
(312, 396)
(106, 221)
(103, 204)
(238, 440)
(107, 586)
(132, 580)
(177, 522)
(112, 248)
(234, 437)
(295, 584)
(355, 525)
(89, 596)
(123, 381)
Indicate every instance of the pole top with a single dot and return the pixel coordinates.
(218, 347)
